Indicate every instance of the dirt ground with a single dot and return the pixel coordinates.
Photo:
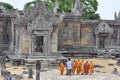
(102, 62)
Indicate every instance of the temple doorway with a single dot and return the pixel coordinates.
(103, 40)
(38, 44)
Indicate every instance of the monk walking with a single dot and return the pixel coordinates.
(91, 69)
(61, 68)
(86, 68)
(74, 65)
(78, 66)
(82, 67)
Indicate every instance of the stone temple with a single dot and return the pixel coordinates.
(39, 32)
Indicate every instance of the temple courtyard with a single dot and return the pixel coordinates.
(104, 70)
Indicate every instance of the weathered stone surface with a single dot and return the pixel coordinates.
(115, 71)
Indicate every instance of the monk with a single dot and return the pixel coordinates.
(91, 69)
(86, 68)
(82, 67)
(74, 65)
(78, 66)
(61, 68)
(66, 69)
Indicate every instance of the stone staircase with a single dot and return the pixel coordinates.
(77, 51)
(45, 60)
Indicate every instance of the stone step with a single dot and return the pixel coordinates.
(42, 57)
(78, 55)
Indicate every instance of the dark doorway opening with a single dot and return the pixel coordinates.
(39, 44)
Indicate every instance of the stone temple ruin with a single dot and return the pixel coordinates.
(41, 33)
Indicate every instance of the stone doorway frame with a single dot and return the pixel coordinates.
(103, 28)
(46, 42)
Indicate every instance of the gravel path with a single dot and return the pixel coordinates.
(54, 75)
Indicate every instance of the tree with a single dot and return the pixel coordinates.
(91, 7)
(7, 6)
(29, 5)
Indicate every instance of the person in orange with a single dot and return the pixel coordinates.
(66, 68)
(74, 65)
(91, 69)
(61, 68)
(82, 67)
(78, 66)
(86, 68)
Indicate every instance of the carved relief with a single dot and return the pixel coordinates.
(103, 27)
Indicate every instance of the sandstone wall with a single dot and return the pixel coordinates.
(76, 34)
(54, 41)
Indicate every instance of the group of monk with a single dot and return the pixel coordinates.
(78, 67)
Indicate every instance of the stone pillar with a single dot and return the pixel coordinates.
(38, 67)
(12, 38)
(3, 66)
(109, 44)
(48, 41)
(54, 41)
(97, 42)
(20, 41)
(32, 43)
(0, 70)
(45, 45)
(30, 73)
(29, 66)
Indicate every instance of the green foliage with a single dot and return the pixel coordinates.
(90, 10)
(50, 5)
(91, 15)
(7, 6)
(64, 5)
(29, 5)
(91, 7)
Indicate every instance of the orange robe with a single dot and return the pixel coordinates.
(91, 69)
(74, 64)
(86, 68)
(78, 67)
(82, 67)
(61, 68)
(66, 68)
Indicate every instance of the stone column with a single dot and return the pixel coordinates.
(54, 41)
(32, 44)
(0, 70)
(48, 41)
(20, 42)
(109, 44)
(30, 73)
(38, 67)
(12, 38)
(3, 66)
(45, 45)
(97, 42)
